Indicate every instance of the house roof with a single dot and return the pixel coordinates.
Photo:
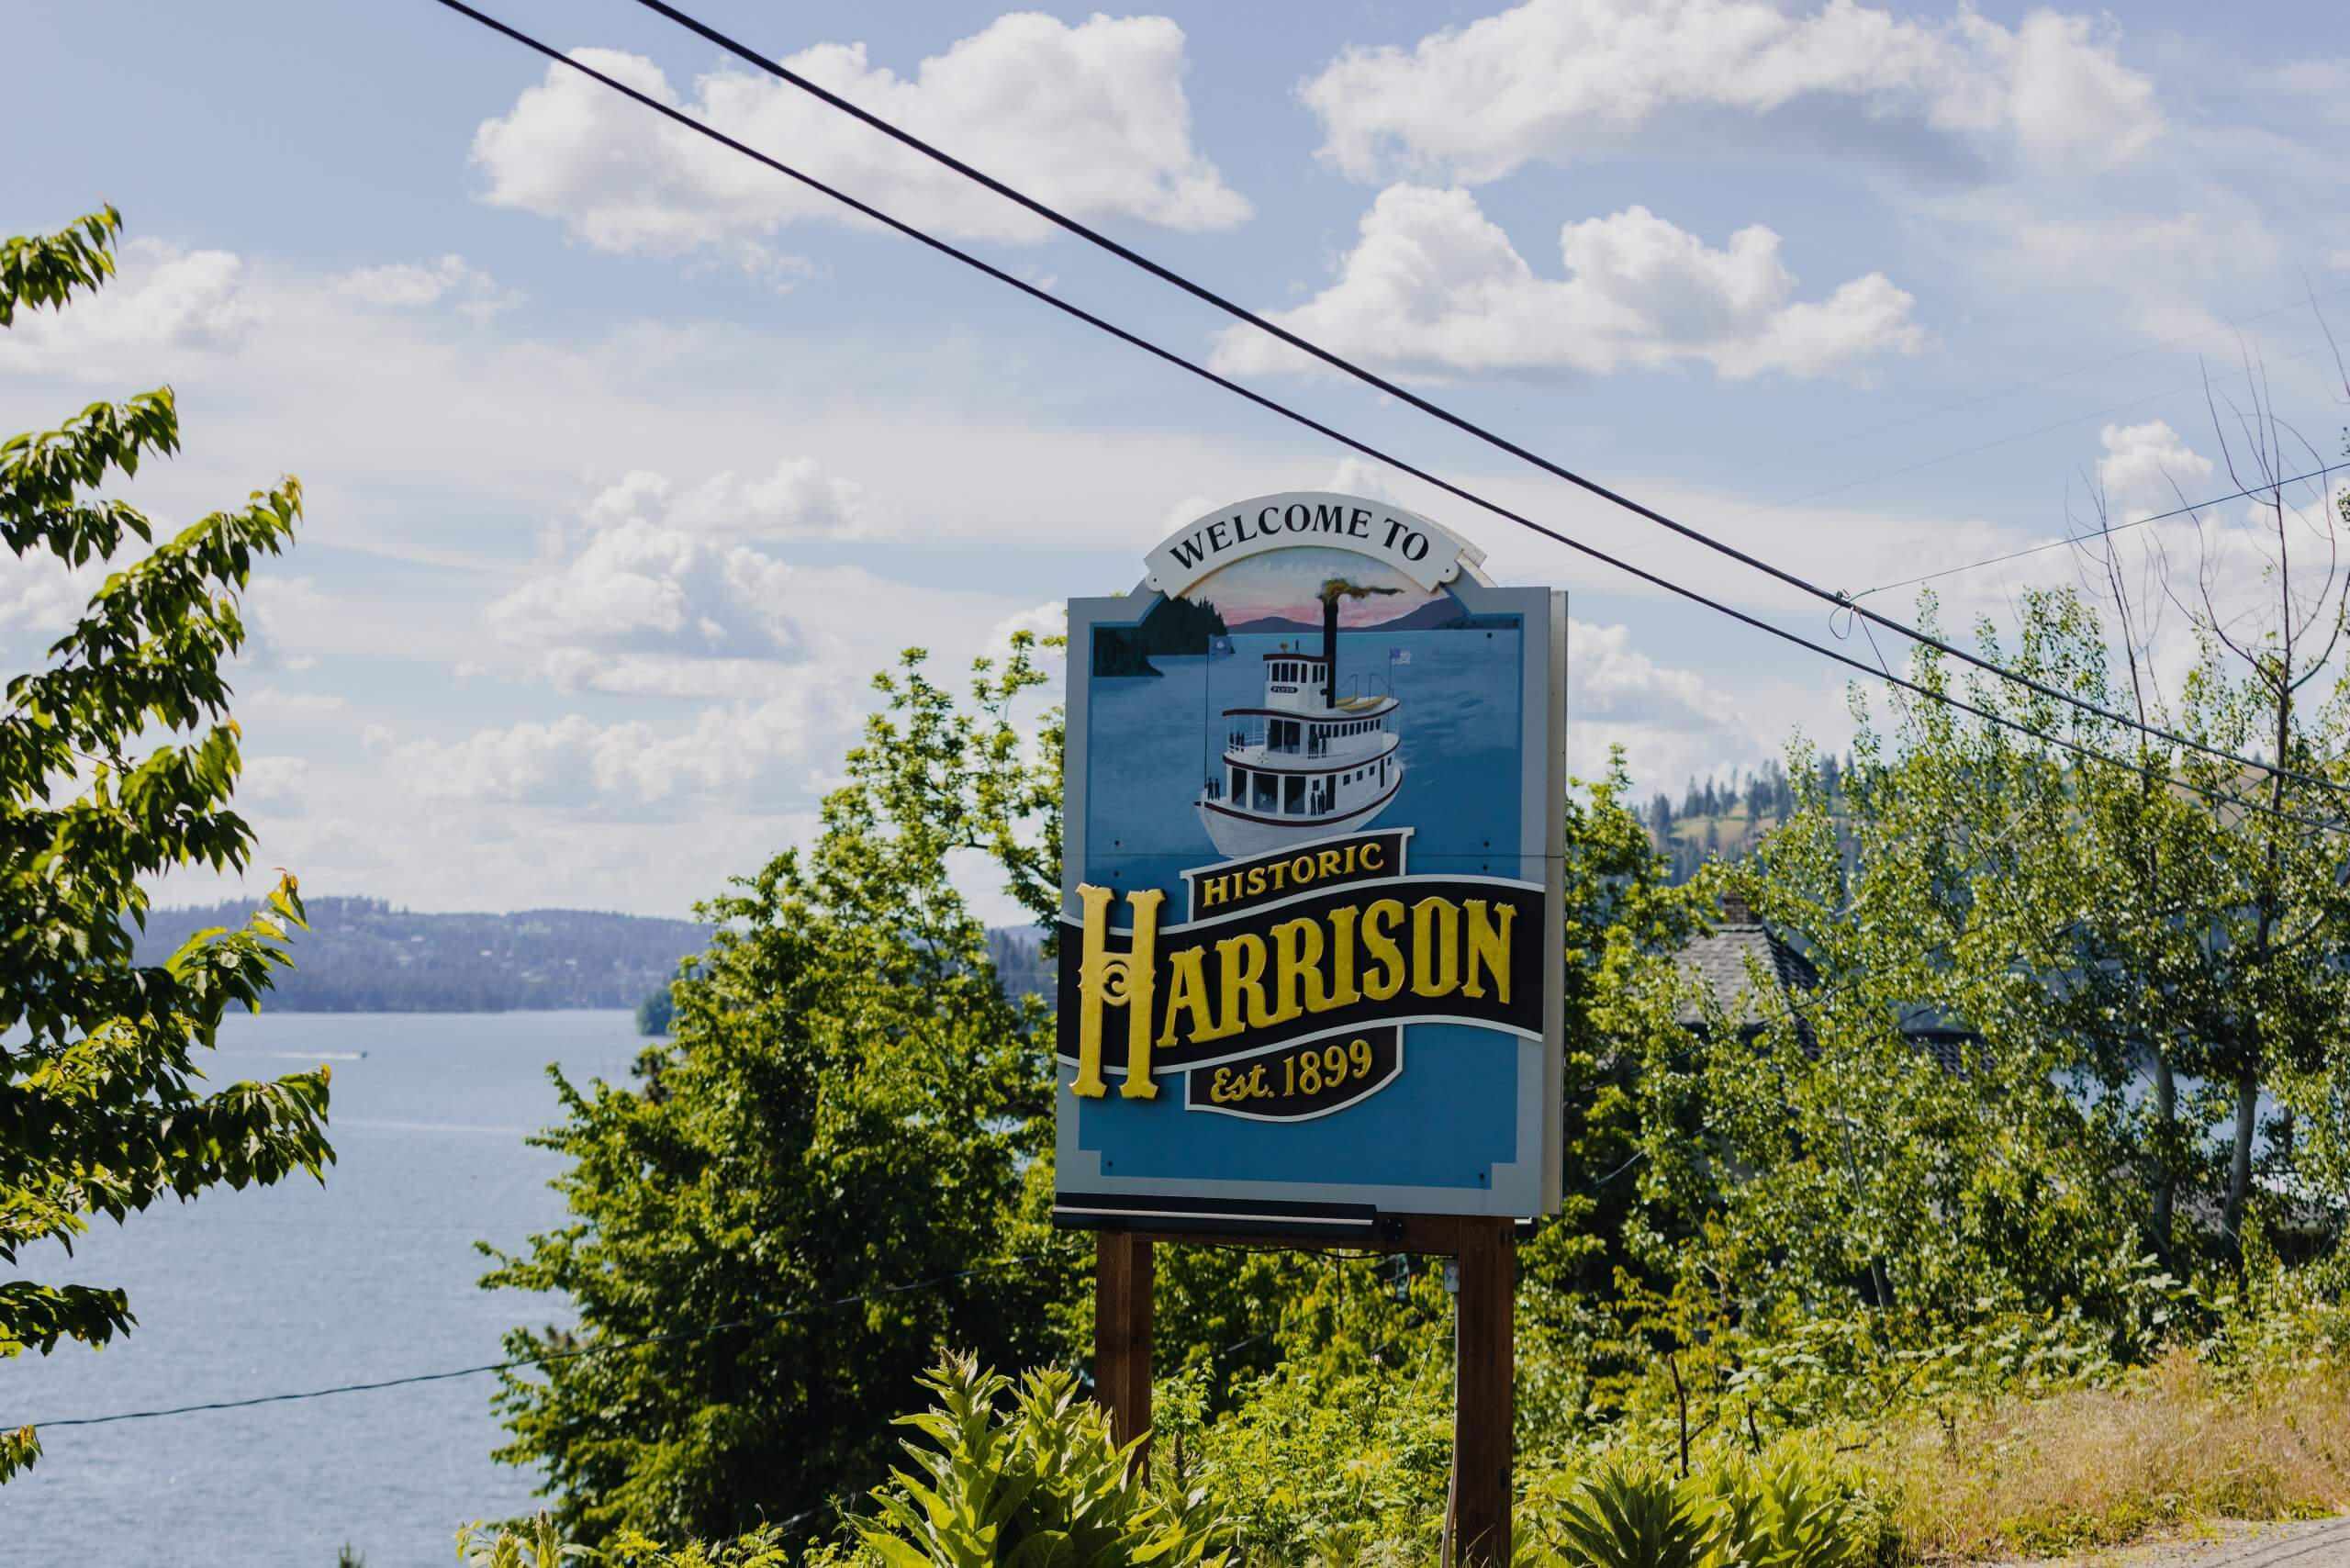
(1718, 959)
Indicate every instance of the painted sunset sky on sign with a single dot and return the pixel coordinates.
(1287, 584)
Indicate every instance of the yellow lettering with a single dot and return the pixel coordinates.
(1436, 947)
(1243, 962)
(1186, 991)
(1093, 960)
(1351, 850)
(1112, 980)
(1378, 923)
(1297, 957)
(1342, 956)
(1215, 891)
(1301, 871)
(1141, 977)
(1333, 863)
(1281, 874)
(1372, 853)
(1256, 880)
(1489, 946)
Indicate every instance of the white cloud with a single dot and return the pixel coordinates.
(1670, 722)
(163, 297)
(1091, 118)
(405, 286)
(573, 760)
(653, 610)
(278, 780)
(2145, 467)
(275, 702)
(1569, 81)
(283, 614)
(1050, 619)
(43, 593)
(659, 595)
(1352, 476)
(797, 499)
(1435, 286)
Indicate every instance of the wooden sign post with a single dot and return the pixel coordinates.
(1485, 1407)
(1124, 1273)
(1311, 927)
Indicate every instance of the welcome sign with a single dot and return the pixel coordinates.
(1311, 945)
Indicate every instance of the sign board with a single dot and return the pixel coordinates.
(1310, 943)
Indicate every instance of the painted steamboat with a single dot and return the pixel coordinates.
(1308, 763)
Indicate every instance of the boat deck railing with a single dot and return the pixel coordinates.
(1315, 747)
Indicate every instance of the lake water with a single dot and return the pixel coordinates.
(300, 1286)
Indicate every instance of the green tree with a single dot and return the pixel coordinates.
(118, 758)
(1626, 924)
(848, 1104)
(2043, 972)
(2208, 963)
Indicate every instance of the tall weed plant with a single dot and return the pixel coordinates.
(1792, 1508)
(1037, 1482)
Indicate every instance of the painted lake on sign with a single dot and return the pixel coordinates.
(301, 1287)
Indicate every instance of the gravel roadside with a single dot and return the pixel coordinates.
(2320, 1543)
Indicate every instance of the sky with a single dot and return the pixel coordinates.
(628, 462)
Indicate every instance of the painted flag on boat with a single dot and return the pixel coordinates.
(1399, 655)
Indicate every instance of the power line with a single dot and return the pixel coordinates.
(1370, 378)
(1307, 421)
(702, 1332)
(2117, 528)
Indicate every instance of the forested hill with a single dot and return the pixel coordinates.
(364, 955)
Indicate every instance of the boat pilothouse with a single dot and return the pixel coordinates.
(1308, 763)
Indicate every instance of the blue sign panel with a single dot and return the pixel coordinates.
(1310, 938)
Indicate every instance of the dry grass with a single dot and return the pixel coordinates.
(2099, 1466)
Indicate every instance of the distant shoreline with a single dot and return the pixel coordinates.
(361, 955)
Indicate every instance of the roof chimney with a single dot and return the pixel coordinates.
(1734, 910)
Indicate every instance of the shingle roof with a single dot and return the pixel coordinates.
(1719, 961)
(1719, 958)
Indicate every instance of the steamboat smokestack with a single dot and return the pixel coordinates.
(1329, 651)
(1334, 590)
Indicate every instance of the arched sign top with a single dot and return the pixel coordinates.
(1424, 551)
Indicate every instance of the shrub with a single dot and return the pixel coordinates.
(1042, 1485)
(1787, 1508)
(1314, 1468)
(479, 1546)
(1631, 1517)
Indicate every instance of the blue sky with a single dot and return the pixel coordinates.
(628, 465)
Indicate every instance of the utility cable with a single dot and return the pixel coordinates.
(1307, 421)
(2102, 533)
(1371, 378)
(702, 1332)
